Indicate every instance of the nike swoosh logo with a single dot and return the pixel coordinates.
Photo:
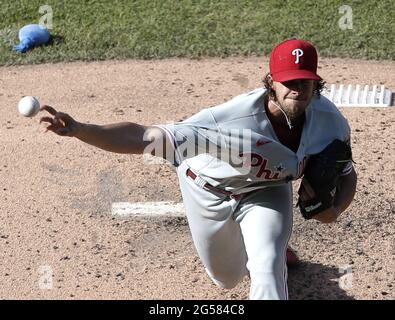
(261, 142)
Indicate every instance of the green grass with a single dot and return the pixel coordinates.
(119, 29)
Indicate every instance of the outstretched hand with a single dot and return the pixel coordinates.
(61, 123)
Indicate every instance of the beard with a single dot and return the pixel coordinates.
(294, 110)
(294, 113)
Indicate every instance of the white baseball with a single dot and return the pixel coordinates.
(28, 106)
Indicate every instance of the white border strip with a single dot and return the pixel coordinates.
(148, 209)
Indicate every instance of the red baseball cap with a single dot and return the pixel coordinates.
(293, 59)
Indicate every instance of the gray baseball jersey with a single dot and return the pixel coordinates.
(234, 146)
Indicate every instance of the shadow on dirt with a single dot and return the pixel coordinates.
(313, 281)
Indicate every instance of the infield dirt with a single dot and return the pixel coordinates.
(58, 239)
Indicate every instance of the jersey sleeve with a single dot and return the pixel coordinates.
(189, 136)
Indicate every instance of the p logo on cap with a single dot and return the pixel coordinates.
(293, 59)
(298, 53)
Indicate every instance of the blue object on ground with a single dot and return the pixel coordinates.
(30, 36)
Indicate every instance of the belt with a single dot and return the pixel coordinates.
(212, 188)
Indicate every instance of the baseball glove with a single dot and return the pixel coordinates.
(322, 173)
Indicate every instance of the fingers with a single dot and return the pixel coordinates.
(56, 121)
(58, 130)
(49, 109)
(60, 117)
(46, 119)
(61, 123)
(50, 128)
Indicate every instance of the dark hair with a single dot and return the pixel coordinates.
(319, 86)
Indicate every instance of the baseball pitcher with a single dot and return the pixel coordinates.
(236, 162)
